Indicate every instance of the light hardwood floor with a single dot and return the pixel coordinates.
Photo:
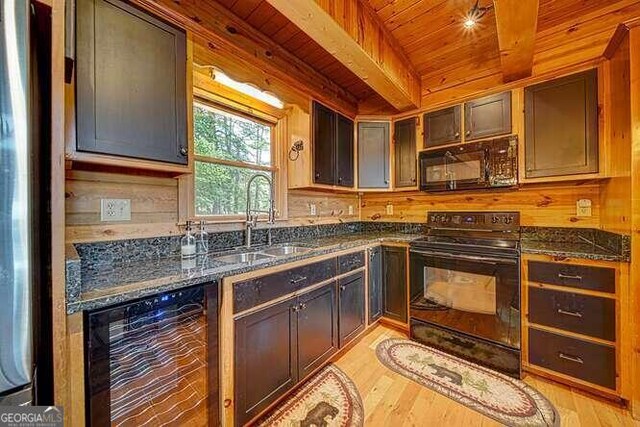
(392, 400)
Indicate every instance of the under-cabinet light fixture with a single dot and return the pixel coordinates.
(247, 89)
(475, 14)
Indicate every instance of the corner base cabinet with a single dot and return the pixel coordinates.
(394, 284)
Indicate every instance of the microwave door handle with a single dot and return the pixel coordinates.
(475, 258)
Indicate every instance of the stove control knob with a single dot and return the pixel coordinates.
(508, 219)
(495, 219)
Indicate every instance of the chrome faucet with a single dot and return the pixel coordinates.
(252, 214)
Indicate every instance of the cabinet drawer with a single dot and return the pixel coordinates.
(257, 291)
(601, 279)
(350, 262)
(582, 314)
(594, 363)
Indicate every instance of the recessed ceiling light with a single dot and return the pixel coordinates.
(475, 13)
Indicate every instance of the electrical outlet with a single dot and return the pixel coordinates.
(350, 209)
(312, 209)
(115, 210)
(389, 209)
(583, 207)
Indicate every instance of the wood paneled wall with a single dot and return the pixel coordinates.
(616, 192)
(539, 205)
(154, 207)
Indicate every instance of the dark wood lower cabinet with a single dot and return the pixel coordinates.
(394, 261)
(351, 307)
(375, 284)
(279, 346)
(317, 328)
(265, 358)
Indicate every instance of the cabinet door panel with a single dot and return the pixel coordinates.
(561, 126)
(373, 155)
(405, 152)
(324, 154)
(394, 267)
(344, 152)
(351, 307)
(375, 284)
(317, 328)
(442, 127)
(265, 358)
(488, 116)
(130, 83)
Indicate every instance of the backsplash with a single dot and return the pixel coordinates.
(132, 250)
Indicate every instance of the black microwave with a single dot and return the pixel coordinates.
(475, 165)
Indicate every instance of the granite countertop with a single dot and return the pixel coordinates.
(571, 250)
(97, 287)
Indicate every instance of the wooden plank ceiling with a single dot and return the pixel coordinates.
(273, 24)
(449, 60)
(569, 32)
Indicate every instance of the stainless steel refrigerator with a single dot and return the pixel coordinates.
(24, 195)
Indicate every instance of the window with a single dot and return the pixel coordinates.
(229, 150)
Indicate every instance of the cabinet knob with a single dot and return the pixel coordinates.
(227, 403)
(467, 133)
(317, 175)
(339, 180)
(183, 151)
(343, 287)
(457, 134)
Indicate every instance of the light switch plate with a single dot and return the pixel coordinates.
(350, 209)
(389, 209)
(115, 210)
(312, 209)
(583, 207)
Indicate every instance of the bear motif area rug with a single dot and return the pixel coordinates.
(505, 399)
(327, 399)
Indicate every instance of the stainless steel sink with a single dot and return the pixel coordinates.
(285, 250)
(243, 257)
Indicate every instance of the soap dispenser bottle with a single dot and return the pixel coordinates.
(202, 240)
(188, 243)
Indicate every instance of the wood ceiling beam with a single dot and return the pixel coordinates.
(352, 32)
(231, 36)
(517, 22)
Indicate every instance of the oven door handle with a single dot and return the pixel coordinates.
(475, 258)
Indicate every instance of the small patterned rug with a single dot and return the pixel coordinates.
(327, 399)
(506, 400)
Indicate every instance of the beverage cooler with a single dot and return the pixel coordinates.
(154, 361)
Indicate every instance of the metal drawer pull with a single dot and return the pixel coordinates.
(575, 359)
(570, 313)
(569, 277)
(298, 280)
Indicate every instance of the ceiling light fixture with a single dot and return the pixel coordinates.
(474, 15)
(245, 88)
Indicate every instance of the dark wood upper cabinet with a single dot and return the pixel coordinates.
(317, 328)
(265, 358)
(561, 126)
(373, 155)
(375, 284)
(394, 267)
(324, 147)
(442, 127)
(332, 147)
(344, 152)
(130, 83)
(404, 138)
(351, 307)
(488, 116)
